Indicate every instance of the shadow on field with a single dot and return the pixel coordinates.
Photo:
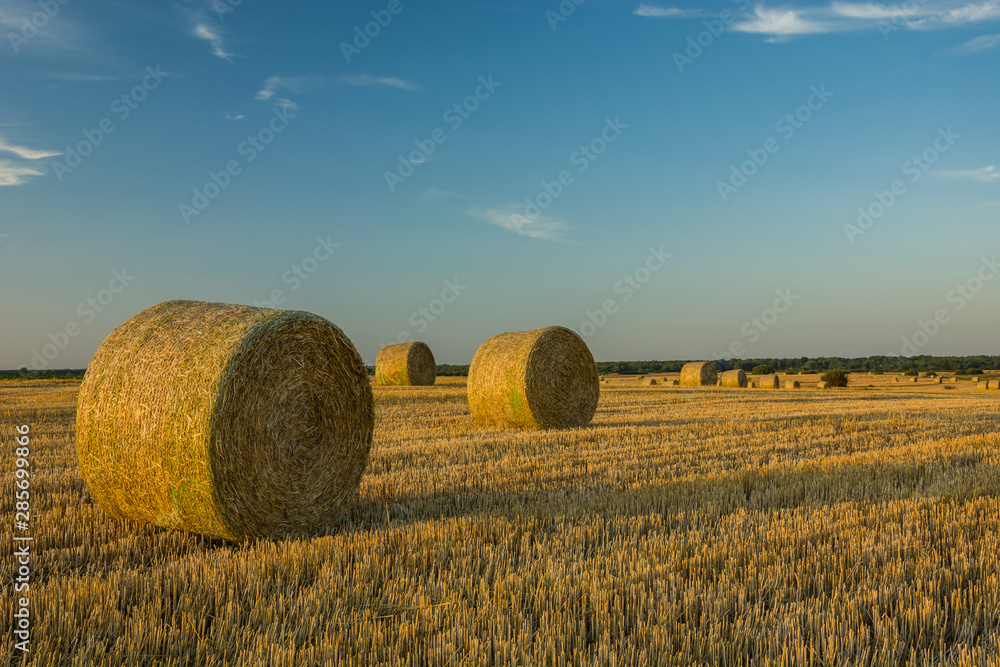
(772, 489)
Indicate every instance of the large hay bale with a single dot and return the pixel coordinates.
(405, 365)
(822, 385)
(228, 421)
(544, 378)
(769, 382)
(736, 378)
(699, 374)
(792, 384)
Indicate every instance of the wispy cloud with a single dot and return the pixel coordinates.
(234, 116)
(780, 23)
(985, 174)
(537, 227)
(436, 194)
(978, 45)
(13, 174)
(26, 153)
(368, 80)
(212, 36)
(655, 12)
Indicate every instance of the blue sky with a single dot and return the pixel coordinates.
(674, 181)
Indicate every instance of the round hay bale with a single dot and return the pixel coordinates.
(650, 381)
(699, 374)
(753, 385)
(736, 378)
(544, 378)
(641, 377)
(675, 383)
(770, 382)
(405, 365)
(975, 379)
(993, 384)
(938, 380)
(792, 384)
(913, 379)
(228, 421)
(823, 385)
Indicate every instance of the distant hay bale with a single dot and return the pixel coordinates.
(975, 379)
(674, 383)
(650, 381)
(769, 382)
(544, 378)
(405, 365)
(228, 421)
(895, 379)
(641, 377)
(736, 378)
(913, 379)
(792, 384)
(699, 374)
(823, 385)
(753, 385)
(938, 380)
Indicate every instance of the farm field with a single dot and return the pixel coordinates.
(683, 526)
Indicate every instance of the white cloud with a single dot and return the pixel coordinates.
(26, 153)
(652, 11)
(973, 13)
(209, 34)
(368, 80)
(537, 227)
(983, 174)
(285, 103)
(978, 44)
(234, 117)
(270, 88)
(780, 22)
(12, 174)
(867, 10)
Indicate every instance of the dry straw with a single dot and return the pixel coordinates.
(544, 378)
(913, 379)
(792, 384)
(404, 365)
(223, 420)
(823, 385)
(650, 381)
(735, 378)
(769, 382)
(673, 383)
(753, 385)
(699, 374)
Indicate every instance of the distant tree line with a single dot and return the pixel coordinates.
(47, 374)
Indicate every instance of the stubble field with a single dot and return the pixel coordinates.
(684, 526)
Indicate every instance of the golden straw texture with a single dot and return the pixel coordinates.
(736, 378)
(792, 384)
(769, 382)
(223, 420)
(699, 374)
(823, 385)
(405, 364)
(544, 378)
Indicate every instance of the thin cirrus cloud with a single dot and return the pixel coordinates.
(212, 36)
(14, 174)
(986, 174)
(366, 80)
(783, 23)
(653, 11)
(978, 45)
(299, 84)
(537, 227)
